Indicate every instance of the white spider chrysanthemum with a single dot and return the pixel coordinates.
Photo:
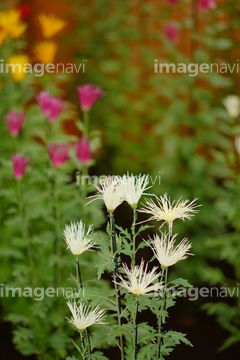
(77, 239)
(167, 212)
(84, 316)
(134, 187)
(111, 192)
(139, 280)
(165, 251)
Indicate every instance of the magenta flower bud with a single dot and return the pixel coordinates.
(83, 151)
(58, 154)
(88, 94)
(50, 106)
(172, 2)
(172, 33)
(207, 4)
(14, 121)
(19, 165)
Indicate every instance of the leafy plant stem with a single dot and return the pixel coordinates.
(162, 308)
(133, 229)
(55, 226)
(115, 274)
(78, 273)
(135, 329)
(83, 345)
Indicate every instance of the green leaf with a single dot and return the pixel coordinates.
(181, 282)
(97, 355)
(124, 232)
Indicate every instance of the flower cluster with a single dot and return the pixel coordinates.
(116, 189)
(11, 25)
(45, 51)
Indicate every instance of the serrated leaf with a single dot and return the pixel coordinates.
(97, 355)
(124, 232)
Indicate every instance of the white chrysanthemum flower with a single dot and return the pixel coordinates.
(134, 187)
(111, 192)
(167, 212)
(165, 251)
(139, 280)
(84, 316)
(232, 104)
(77, 239)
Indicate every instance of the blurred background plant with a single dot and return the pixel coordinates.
(175, 127)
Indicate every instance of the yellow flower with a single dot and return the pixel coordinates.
(16, 65)
(50, 25)
(11, 25)
(45, 51)
(18, 30)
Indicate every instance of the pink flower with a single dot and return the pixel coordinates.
(14, 121)
(172, 33)
(50, 106)
(172, 2)
(207, 4)
(88, 94)
(58, 154)
(19, 164)
(83, 151)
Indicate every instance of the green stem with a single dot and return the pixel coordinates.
(83, 190)
(115, 275)
(135, 329)
(52, 181)
(86, 123)
(83, 345)
(162, 308)
(78, 274)
(88, 341)
(133, 228)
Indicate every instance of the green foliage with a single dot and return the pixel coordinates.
(173, 127)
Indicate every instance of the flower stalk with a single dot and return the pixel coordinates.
(86, 123)
(55, 216)
(78, 273)
(133, 229)
(164, 280)
(115, 276)
(135, 329)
